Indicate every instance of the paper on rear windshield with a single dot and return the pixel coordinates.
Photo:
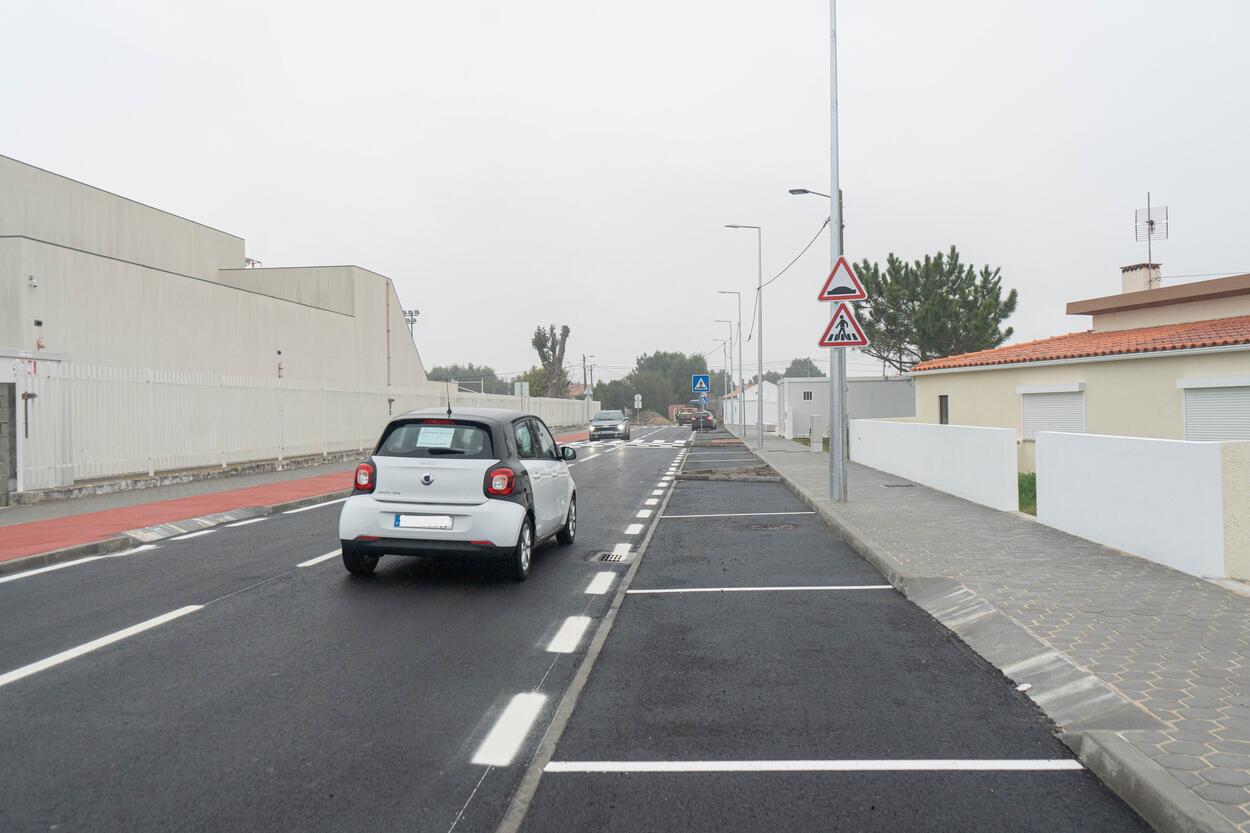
(435, 436)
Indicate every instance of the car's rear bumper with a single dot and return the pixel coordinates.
(493, 523)
(432, 549)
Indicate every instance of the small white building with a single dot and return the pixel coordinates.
(730, 406)
(868, 398)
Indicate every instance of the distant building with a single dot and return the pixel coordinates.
(1171, 362)
(867, 398)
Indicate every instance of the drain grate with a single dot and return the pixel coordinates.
(897, 485)
(771, 527)
(613, 557)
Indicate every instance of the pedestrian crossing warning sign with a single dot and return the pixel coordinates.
(700, 382)
(842, 284)
(843, 330)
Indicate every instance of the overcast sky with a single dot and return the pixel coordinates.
(574, 161)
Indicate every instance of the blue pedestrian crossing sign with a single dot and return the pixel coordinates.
(700, 382)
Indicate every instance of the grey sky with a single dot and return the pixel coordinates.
(510, 164)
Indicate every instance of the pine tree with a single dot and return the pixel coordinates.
(931, 308)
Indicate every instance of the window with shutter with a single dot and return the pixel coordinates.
(1053, 412)
(1217, 413)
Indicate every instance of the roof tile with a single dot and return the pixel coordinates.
(1216, 332)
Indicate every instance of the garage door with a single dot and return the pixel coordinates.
(1217, 413)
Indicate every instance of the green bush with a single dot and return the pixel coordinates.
(1028, 492)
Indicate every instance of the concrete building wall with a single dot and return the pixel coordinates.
(61, 211)
(873, 398)
(1134, 397)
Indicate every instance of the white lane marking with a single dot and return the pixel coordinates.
(193, 535)
(633, 529)
(314, 506)
(643, 513)
(49, 568)
(88, 647)
(318, 559)
(246, 522)
(569, 636)
(506, 736)
(657, 492)
(766, 589)
(917, 765)
(600, 584)
(651, 501)
(738, 515)
(622, 549)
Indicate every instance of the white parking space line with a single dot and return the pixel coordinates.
(651, 501)
(738, 515)
(508, 733)
(765, 589)
(88, 647)
(643, 513)
(314, 506)
(569, 636)
(600, 584)
(917, 765)
(633, 529)
(318, 559)
(246, 522)
(193, 535)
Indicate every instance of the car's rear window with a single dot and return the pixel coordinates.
(436, 438)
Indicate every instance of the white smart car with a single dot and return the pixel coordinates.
(464, 483)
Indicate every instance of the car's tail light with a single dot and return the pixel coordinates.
(366, 478)
(500, 481)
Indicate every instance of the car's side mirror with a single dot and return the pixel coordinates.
(567, 453)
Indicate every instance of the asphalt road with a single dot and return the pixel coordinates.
(266, 695)
(257, 686)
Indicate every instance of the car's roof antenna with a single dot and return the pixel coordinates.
(447, 385)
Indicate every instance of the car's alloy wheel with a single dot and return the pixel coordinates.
(519, 566)
(356, 562)
(565, 536)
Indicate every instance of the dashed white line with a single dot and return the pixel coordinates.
(643, 513)
(917, 765)
(193, 535)
(651, 501)
(506, 736)
(633, 529)
(246, 522)
(314, 506)
(765, 589)
(95, 644)
(318, 559)
(569, 636)
(657, 492)
(622, 550)
(601, 583)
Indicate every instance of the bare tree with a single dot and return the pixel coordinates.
(550, 347)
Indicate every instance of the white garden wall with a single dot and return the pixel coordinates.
(977, 464)
(1158, 499)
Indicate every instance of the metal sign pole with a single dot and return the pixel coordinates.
(837, 355)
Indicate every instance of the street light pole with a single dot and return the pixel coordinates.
(759, 335)
(837, 356)
(742, 412)
(730, 364)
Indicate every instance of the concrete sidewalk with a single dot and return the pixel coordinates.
(1145, 670)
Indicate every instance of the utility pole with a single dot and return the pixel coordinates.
(585, 393)
(837, 355)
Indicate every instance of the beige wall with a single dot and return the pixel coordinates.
(1235, 472)
(1173, 314)
(1127, 397)
(45, 206)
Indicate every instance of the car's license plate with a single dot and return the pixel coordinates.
(423, 521)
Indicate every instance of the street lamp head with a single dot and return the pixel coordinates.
(798, 191)
(728, 292)
(738, 226)
(723, 321)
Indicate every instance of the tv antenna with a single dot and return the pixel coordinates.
(1151, 223)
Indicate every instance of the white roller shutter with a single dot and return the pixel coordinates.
(1220, 413)
(1053, 412)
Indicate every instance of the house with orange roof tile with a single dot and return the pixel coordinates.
(1166, 362)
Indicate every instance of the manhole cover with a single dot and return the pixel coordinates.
(771, 527)
(615, 557)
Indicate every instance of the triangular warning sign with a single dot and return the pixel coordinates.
(842, 284)
(843, 330)
(700, 383)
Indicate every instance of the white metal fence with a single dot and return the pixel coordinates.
(86, 422)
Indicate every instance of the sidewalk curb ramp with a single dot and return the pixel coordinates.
(1090, 715)
(149, 534)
